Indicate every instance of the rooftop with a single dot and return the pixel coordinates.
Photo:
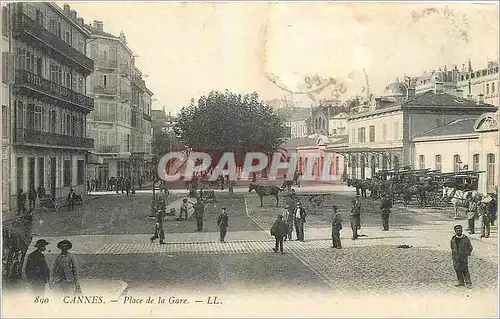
(298, 142)
(457, 127)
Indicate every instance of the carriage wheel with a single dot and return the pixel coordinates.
(318, 201)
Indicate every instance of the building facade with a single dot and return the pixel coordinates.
(47, 101)
(382, 137)
(121, 121)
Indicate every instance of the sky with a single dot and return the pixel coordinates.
(189, 49)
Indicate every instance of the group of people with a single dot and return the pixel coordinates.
(481, 209)
(123, 184)
(64, 270)
(282, 229)
(31, 197)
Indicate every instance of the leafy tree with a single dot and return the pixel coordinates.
(229, 122)
(165, 142)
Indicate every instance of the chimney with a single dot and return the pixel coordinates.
(480, 100)
(459, 93)
(80, 21)
(73, 14)
(122, 37)
(66, 8)
(438, 88)
(98, 25)
(410, 93)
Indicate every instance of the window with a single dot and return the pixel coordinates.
(352, 136)
(487, 89)
(493, 88)
(41, 171)
(337, 163)
(421, 162)
(384, 132)
(68, 125)
(372, 133)
(396, 130)
(361, 135)
(20, 172)
(490, 172)
(53, 121)
(67, 173)
(437, 162)
(5, 23)
(80, 171)
(5, 122)
(456, 163)
(38, 117)
(475, 163)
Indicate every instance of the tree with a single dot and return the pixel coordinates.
(165, 142)
(229, 122)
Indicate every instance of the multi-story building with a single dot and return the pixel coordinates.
(47, 103)
(161, 122)
(7, 80)
(382, 137)
(121, 121)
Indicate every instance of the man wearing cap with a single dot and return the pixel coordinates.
(199, 211)
(65, 270)
(223, 223)
(37, 270)
(385, 207)
(300, 219)
(288, 218)
(336, 227)
(279, 230)
(354, 219)
(358, 210)
(461, 249)
(159, 231)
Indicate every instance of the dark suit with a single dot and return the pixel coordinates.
(37, 272)
(223, 222)
(461, 248)
(199, 210)
(385, 207)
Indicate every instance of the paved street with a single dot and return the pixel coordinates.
(110, 236)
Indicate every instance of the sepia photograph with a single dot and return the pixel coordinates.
(249, 159)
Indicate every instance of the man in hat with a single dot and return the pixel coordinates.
(358, 210)
(37, 270)
(288, 218)
(279, 230)
(223, 223)
(199, 211)
(336, 227)
(385, 207)
(71, 199)
(159, 232)
(65, 270)
(461, 249)
(184, 209)
(472, 214)
(354, 219)
(299, 219)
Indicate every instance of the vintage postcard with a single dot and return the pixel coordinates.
(249, 159)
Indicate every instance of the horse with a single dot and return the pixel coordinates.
(265, 190)
(457, 196)
(16, 240)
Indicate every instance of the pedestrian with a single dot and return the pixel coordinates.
(71, 199)
(37, 270)
(472, 215)
(65, 270)
(359, 207)
(385, 207)
(279, 230)
(159, 231)
(199, 210)
(336, 227)
(484, 215)
(223, 223)
(41, 191)
(32, 197)
(461, 249)
(354, 220)
(288, 218)
(299, 219)
(184, 209)
(21, 202)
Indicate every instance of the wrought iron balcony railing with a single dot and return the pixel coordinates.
(37, 83)
(105, 90)
(24, 24)
(27, 136)
(108, 149)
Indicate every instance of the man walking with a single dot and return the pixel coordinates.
(485, 216)
(37, 270)
(472, 215)
(461, 249)
(223, 223)
(199, 210)
(279, 230)
(354, 220)
(159, 231)
(385, 207)
(32, 197)
(358, 211)
(21, 202)
(71, 199)
(184, 209)
(288, 218)
(300, 219)
(336, 227)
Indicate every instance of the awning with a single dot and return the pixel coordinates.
(93, 158)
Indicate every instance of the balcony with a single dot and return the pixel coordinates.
(105, 63)
(124, 69)
(24, 25)
(110, 149)
(32, 137)
(147, 117)
(105, 90)
(43, 86)
(139, 82)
